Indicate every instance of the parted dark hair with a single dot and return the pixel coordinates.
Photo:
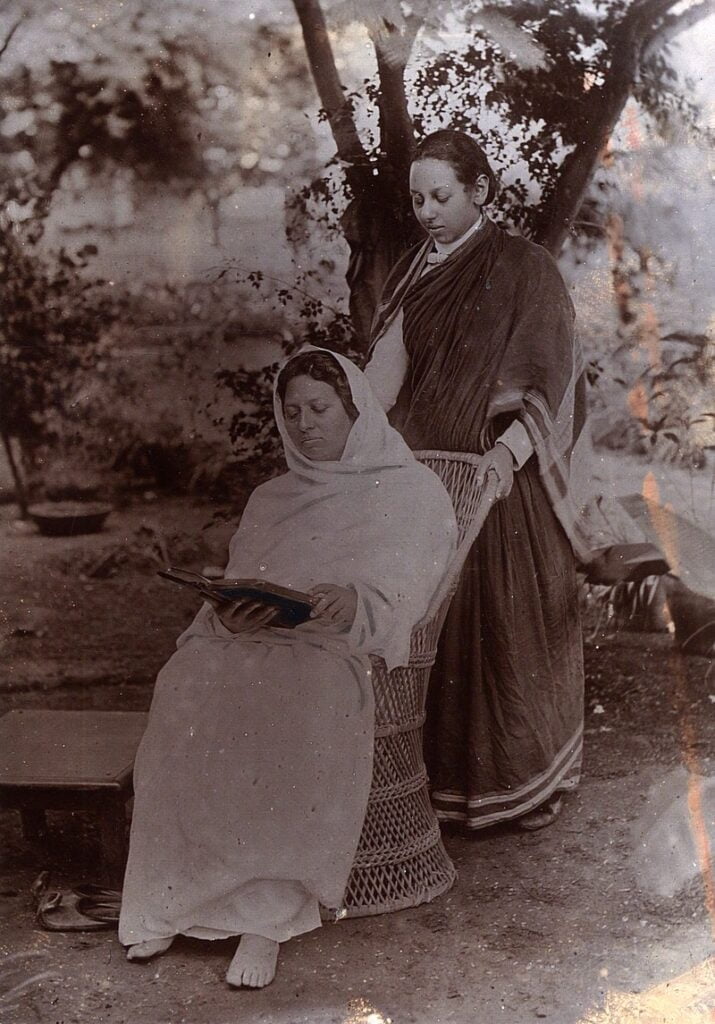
(319, 366)
(465, 155)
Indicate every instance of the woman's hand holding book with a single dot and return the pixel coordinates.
(335, 606)
(334, 609)
(244, 617)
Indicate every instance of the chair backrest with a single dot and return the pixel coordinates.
(472, 501)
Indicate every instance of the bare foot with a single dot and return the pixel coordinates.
(254, 963)
(152, 947)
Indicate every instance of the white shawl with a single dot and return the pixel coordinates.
(376, 520)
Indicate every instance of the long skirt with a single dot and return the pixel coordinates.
(251, 785)
(504, 724)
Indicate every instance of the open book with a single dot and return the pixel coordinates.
(292, 606)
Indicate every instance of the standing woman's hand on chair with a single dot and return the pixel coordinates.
(335, 606)
(499, 461)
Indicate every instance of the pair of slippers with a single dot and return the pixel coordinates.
(86, 908)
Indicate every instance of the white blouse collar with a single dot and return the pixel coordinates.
(450, 247)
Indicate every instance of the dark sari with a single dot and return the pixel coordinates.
(489, 334)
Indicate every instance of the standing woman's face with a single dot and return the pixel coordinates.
(445, 207)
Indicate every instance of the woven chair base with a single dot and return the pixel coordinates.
(420, 880)
(401, 860)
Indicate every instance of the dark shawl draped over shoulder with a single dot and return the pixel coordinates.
(490, 337)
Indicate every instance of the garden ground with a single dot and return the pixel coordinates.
(558, 925)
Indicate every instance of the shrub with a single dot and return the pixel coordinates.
(52, 321)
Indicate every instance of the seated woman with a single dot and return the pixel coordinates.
(253, 776)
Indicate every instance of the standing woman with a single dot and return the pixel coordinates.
(474, 351)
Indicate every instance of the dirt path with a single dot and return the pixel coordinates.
(547, 926)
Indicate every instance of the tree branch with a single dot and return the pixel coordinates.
(397, 133)
(8, 38)
(673, 24)
(328, 84)
(643, 18)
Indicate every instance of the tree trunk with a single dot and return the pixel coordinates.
(374, 228)
(358, 219)
(20, 492)
(559, 210)
(377, 224)
(380, 224)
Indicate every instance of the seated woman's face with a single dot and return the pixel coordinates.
(315, 419)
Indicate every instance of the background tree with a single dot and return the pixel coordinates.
(51, 324)
(124, 95)
(543, 85)
(170, 97)
(52, 314)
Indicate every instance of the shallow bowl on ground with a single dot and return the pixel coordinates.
(62, 518)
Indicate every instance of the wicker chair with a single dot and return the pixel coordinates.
(401, 860)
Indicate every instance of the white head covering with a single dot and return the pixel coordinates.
(372, 443)
(376, 520)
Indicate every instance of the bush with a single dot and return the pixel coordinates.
(52, 321)
(306, 318)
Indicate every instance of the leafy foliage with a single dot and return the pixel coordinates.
(54, 317)
(171, 103)
(528, 109)
(542, 86)
(307, 319)
(51, 323)
(64, 115)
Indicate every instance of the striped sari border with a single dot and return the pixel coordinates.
(480, 812)
(514, 794)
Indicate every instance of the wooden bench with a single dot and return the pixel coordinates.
(71, 760)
